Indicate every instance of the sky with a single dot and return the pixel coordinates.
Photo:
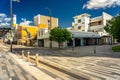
(64, 10)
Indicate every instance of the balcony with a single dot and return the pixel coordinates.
(96, 28)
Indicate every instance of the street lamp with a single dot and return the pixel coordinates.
(11, 23)
(50, 11)
(73, 42)
(93, 42)
(49, 27)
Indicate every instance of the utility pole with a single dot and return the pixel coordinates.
(50, 11)
(11, 24)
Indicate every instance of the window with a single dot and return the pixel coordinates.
(42, 33)
(48, 22)
(39, 33)
(99, 22)
(79, 21)
(79, 27)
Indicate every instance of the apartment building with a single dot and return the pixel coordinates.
(97, 24)
(43, 33)
(81, 22)
(41, 19)
(84, 23)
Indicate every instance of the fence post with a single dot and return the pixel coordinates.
(28, 56)
(36, 59)
(22, 54)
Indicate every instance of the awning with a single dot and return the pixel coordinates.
(85, 35)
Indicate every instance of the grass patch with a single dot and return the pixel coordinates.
(116, 48)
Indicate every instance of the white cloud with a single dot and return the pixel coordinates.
(4, 24)
(7, 19)
(4, 20)
(2, 15)
(96, 4)
(26, 23)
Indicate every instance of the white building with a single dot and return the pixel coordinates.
(84, 23)
(97, 24)
(81, 22)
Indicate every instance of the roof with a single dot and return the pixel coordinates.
(77, 34)
(84, 14)
(99, 18)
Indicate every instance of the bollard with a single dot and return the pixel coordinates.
(36, 59)
(22, 54)
(28, 56)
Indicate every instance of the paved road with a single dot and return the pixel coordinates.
(104, 65)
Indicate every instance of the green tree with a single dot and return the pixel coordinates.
(60, 35)
(113, 27)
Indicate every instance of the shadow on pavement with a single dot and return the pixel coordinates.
(84, 51)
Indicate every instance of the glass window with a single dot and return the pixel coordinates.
(79, 27)
(79, 21)
(48, 22)
(39, 33)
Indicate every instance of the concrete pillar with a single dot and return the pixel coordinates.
(73, 42)
(81, 42)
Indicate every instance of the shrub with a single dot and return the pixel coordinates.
(116, 48)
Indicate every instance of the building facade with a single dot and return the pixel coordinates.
(81, 22)
(41, 19)
(84, 23)
(27, 35)
(43, 40)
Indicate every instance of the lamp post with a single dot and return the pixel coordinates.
(93, 43)
(50, 26)
(50, 11)
(73, 42)
(11, 22)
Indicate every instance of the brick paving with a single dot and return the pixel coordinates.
(11, 70)
(104, 65)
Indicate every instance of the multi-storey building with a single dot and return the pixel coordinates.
(50, 23)
(97, 23)
(84, 23)
(81, 22)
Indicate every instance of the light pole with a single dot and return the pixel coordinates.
(93, 43)
(73, 42)
(11, 23)
(50, 11)
(50, 26)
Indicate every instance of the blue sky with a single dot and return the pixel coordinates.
(65, 10)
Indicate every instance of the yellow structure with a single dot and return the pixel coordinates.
(42, 19)
(26, 34)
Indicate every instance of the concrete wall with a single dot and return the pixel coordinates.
(54, 44)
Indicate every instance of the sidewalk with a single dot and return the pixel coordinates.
(14, 68)
(11, 70)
